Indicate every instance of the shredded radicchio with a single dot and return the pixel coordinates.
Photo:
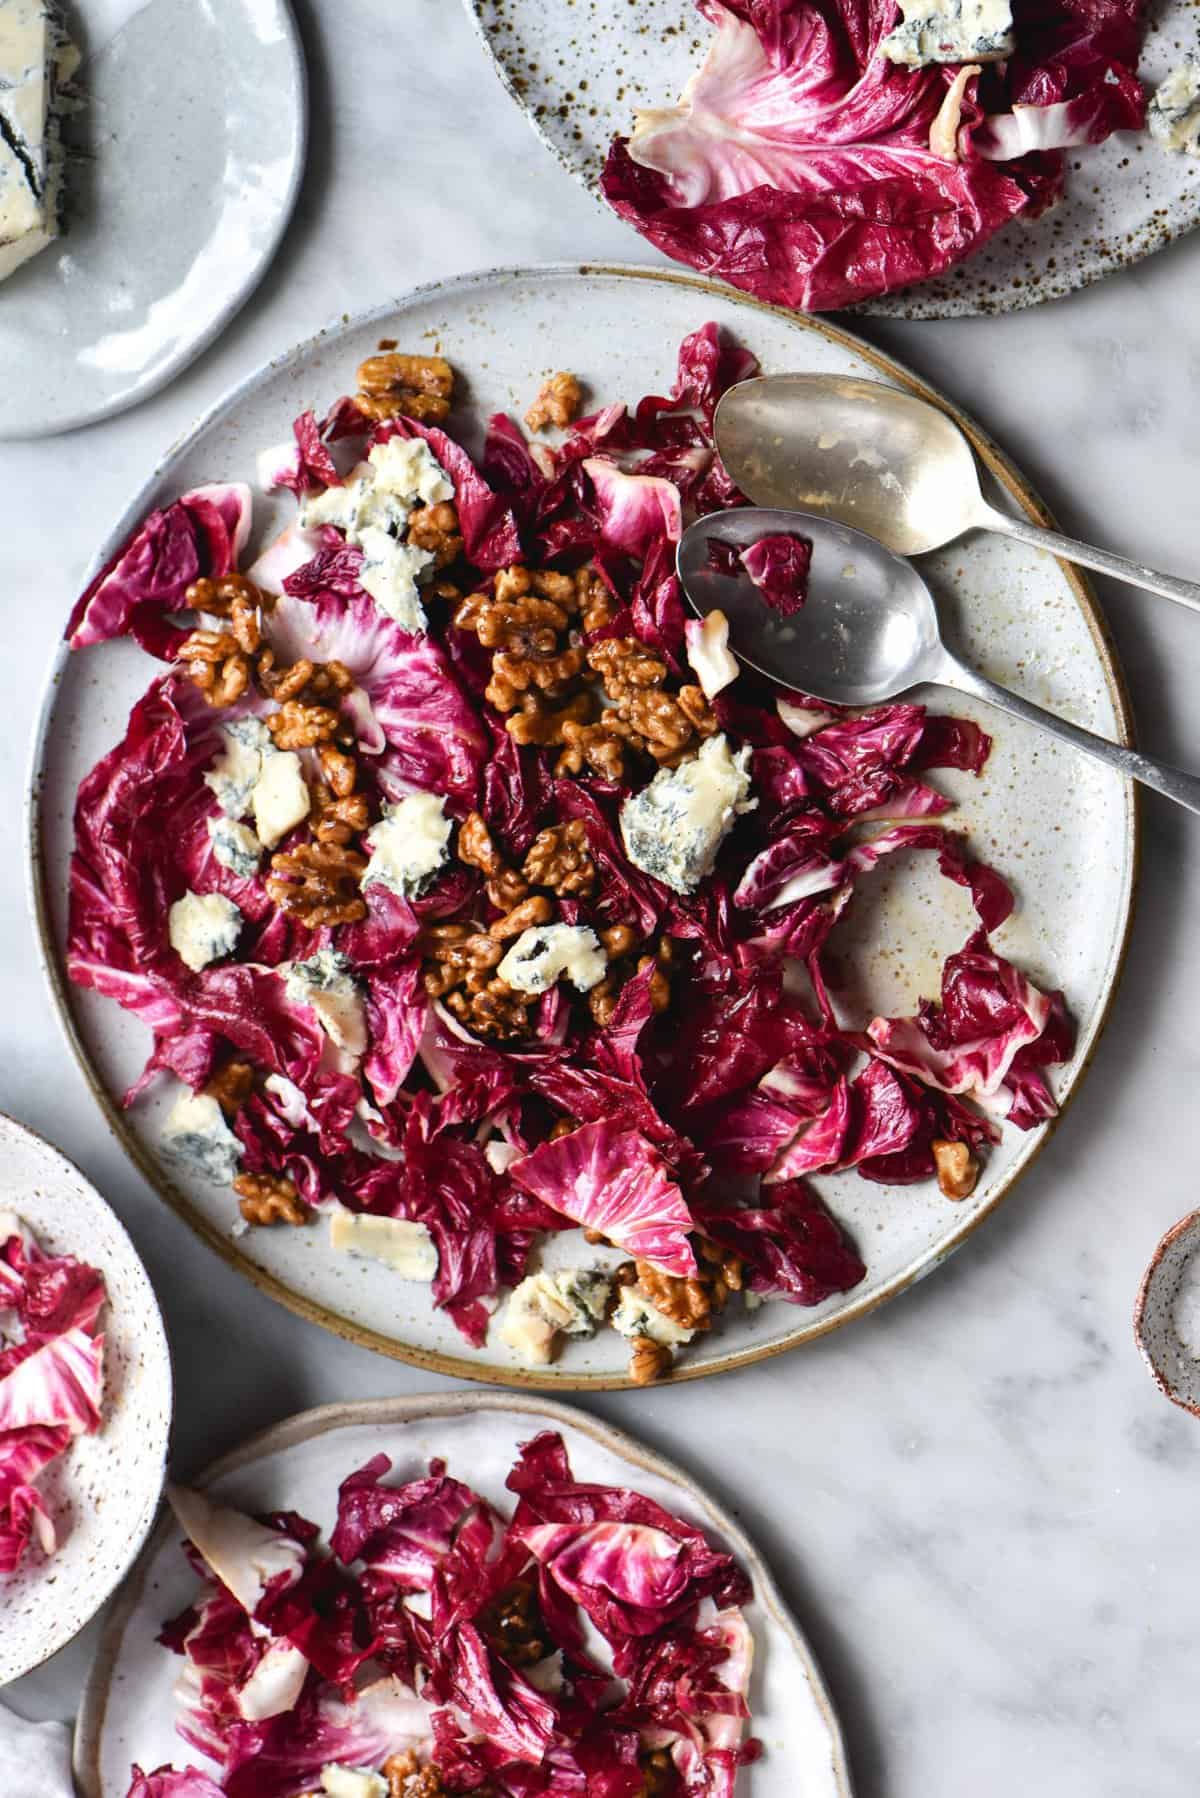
(806, 167)
(51, 1378)
(676, 1108)
(438, 1633)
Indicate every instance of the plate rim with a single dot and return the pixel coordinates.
(442, 1361)
(913, 302)
(253, 278)
(162, 1351)
(408, 1408)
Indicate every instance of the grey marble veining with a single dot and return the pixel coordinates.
(979, 1504)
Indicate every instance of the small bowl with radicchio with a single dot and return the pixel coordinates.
(489, 923)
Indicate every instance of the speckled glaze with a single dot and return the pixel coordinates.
(1166, 1318)
(580, 69)
(1054, 824)
(128, 1711)
(187, 158)
(103, 1494)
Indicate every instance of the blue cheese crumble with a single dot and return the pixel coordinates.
(1173, 115)
(235, 846)
(246, 746)
(401, 1243)
(571, 1301)
(372, 507)
(325, 983)
(409, 844)
(951, 31)
(545, 951)
(281, 798)
(196, 1137)
(635, 1315)
(674, 827)
(37, 61)
(202, 927)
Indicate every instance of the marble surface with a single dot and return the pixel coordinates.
(980, 1506)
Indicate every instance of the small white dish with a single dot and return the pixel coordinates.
(129, 1709)
(1166, 1318)
(190, 151)
(104, 1492)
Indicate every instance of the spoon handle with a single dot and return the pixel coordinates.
(1172, 783)
(1184, 593)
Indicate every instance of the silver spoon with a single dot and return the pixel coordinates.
(867, 632)
(875, 457)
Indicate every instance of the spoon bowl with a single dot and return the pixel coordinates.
(867, 631)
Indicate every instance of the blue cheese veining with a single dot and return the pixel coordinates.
(37, 60)
(372, 507)
(400, 1243)
(674, 827)
(951, 31)
(544, 952)
(245, 747)
(409, 844)
(571, 1301)
(235, 846)
(1173, 114)
(196, 1137)
(325, 983)
(203, 927)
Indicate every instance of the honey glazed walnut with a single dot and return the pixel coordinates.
(391, 385)
(556, 404)
(270, 1199)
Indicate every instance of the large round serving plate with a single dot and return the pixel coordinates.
(103, 1493)
(1062, 829)
(129, 1711)
(580, 69)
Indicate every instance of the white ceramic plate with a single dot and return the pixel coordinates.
(580, 69)
(191, 150)
(103, 1494)
(128, 1710)
(1057, 825)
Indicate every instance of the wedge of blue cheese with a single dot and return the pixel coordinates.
(37, 60)
(1173, 114)
(202, 928)
(235, 846)
(635, 1315)
(400, 1243)
(245, 746)
(674, 828)
(571, 1301)
(195, 1136)
(545, 952)
(372, 508)
(327, 985)
(409, 844)
(951, 31)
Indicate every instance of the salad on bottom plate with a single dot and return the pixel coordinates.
(592, 1643)
(473, 896)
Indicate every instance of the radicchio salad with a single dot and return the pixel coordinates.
(472, 896)
(829, 151)
(592, 1644)
(51, 1379)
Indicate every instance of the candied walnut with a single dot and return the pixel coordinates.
(513, 675)
(339, 770)
(335, 820)
(497, 1012)
(957, 1169)
(458, 956)
(319, 883)
(231, 1086)
(270, 1199)
(505, 887)
(619, 939)
(303, 679)
(218, 597)
(658, 1774)
(435, 529)
(660, 980)
(299, 726)
(593, 599)
(600, 746)
(556, 404)
(666, 724)
(213, 662)
(602, 999)
(512, 1625)
(687, 1302)
(563, 1127)
(624, 664)
(392, 385)
(724, 1271)
(544, 725)
(648, 1361)
(535, 910)
(559, 858)
(407, 1778)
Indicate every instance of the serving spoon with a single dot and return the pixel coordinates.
(868, 631)
(891, 464)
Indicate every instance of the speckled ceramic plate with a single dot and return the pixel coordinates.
(1166, 1318)
(1058, 826)
(128, 1711)
(580, 69)
(187, 157)
(103, 1494)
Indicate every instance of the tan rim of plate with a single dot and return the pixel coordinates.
(460, 1366)
(386, 1411)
